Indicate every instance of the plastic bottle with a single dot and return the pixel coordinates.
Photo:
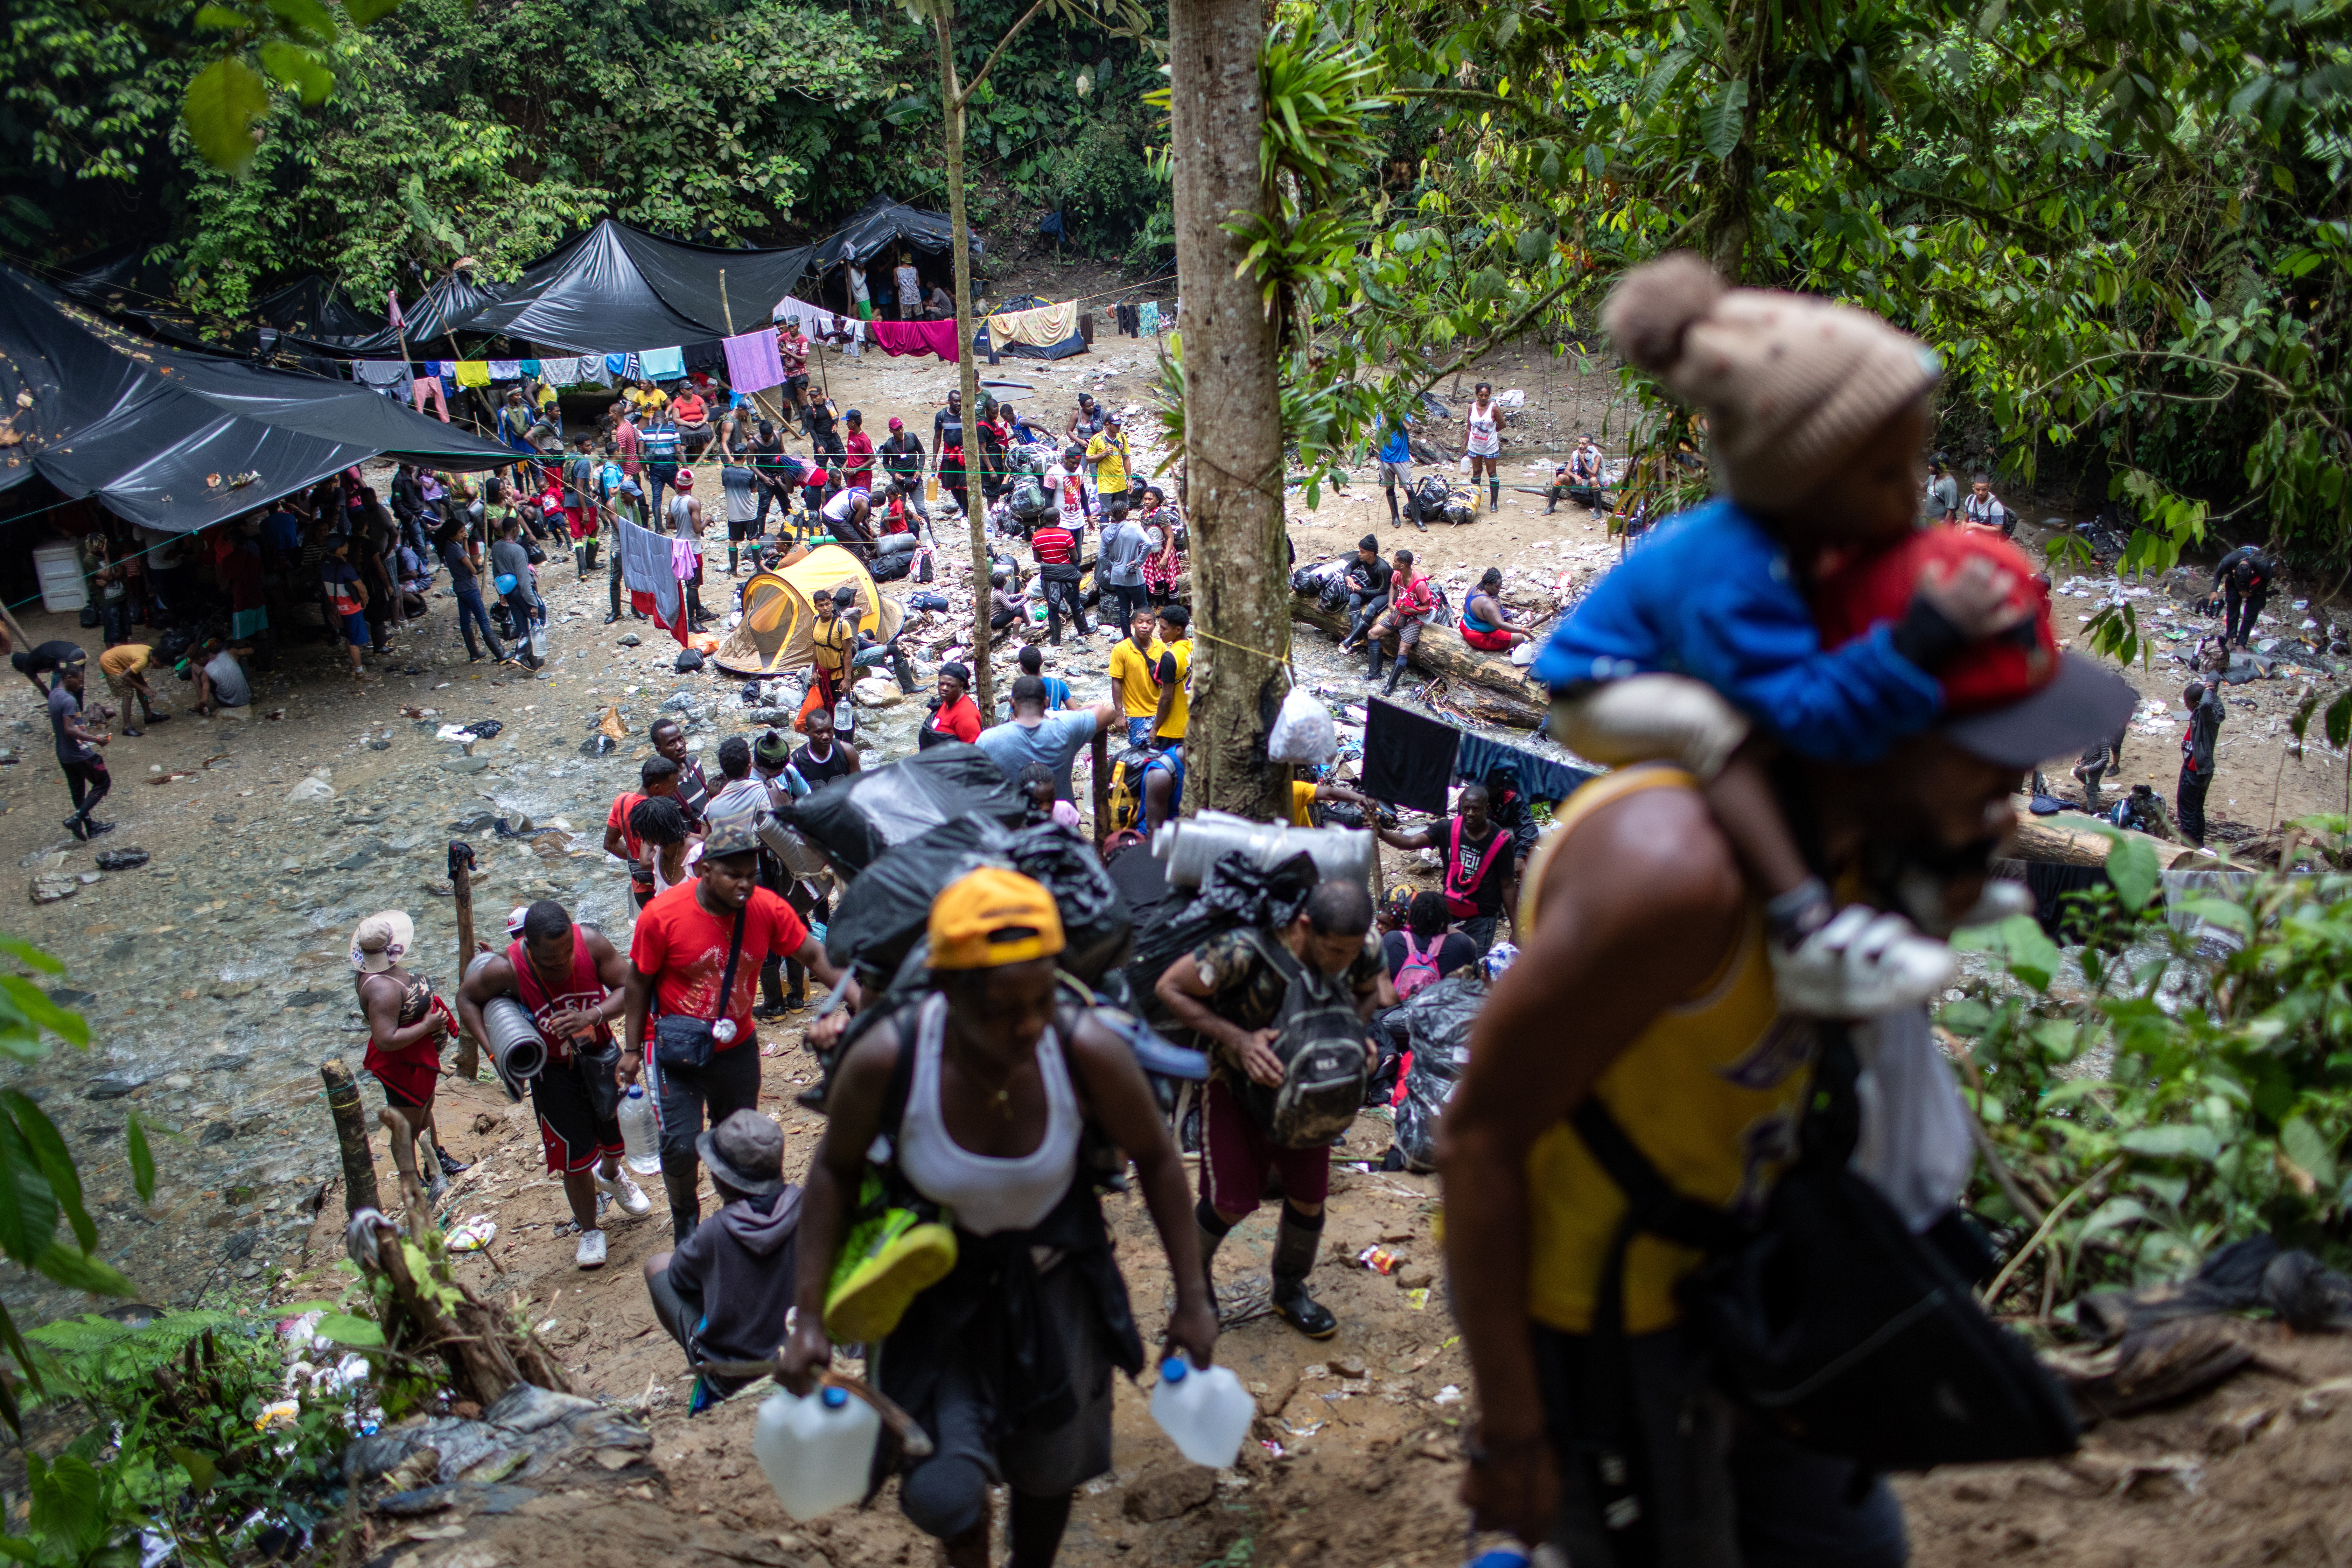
(640, 1138)
(1206, 1411)
(815, 1451)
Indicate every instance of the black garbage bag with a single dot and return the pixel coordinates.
(687, 661)
(1097, 930)
(860, 817)
(1235, 893)
(1437, 1030)
(883, 912)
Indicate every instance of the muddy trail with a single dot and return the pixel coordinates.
(215, 979)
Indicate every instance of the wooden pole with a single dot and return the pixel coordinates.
(352, 1134)
(461, 881)
(1102, 787)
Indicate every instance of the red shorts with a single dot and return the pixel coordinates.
(1496, 641)
(1237, 1156)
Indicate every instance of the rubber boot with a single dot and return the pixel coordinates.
(1213, 1231)
(1380, 663)
(732, 550)
(1294, 1243)
(685, 1211)
(1396, 672)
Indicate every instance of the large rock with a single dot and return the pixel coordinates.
(1167, 1492)
(876, 691)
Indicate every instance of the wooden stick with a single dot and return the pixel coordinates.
(352, 1134)
(1101, 787)
(461, 881)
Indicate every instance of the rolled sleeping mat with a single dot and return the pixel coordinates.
(1190, 847)
(896, 545)
(517, 1054)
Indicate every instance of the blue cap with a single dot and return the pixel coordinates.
(1174, 1368)
(834, 1398)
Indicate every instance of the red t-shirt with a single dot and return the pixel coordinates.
(961, 721)
(1054, 546)
(859, 448)
(623, 804)
(689, 409)
(684, 947)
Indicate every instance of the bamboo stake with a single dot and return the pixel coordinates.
(461, 883)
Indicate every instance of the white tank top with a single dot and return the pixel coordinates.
(1485, 429)
(986, 1195)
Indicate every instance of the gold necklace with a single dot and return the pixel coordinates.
(1001, 1096)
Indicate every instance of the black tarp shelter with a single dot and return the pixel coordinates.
(179, 441)
(872, 238)
(617, 290)
(310, 308)
(445, 306)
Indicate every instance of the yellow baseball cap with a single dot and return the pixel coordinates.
(990, 918)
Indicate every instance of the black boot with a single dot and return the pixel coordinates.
(450, 1164)
(1213, 1231)
(1396, 673)
(1294, 1243)
(1380, 662)
(685, 1213)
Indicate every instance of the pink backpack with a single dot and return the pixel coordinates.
(1419, 966)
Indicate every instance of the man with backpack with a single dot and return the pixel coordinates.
(1281, 1013)
(1426, 952)
(1481, 874)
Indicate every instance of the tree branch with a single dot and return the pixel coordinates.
(1517, 325)
(964, 94)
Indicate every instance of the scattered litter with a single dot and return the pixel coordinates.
(1378, 1259)
(1449, 1394)
(473, 1234)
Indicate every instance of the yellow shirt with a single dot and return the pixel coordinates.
(1111, 464)
(1712, 1092)
(1131, 671)
(1302, 804)
(125, 659)
(1180, 711)
(831, 643)
(643, 399)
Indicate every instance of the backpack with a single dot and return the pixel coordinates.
(1420, 968)
(1326, 1064)
(1457, 904)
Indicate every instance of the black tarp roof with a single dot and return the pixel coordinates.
(881, 224)
(178, 441)
(310, 308)
(446, 305)
(617, 290)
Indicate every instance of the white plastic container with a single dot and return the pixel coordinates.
(640, 1138)
(57, 566)
(817, 1451)
(1206, 1412)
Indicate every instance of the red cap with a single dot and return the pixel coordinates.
(896, 422)
(684, 479)
(2013, 698)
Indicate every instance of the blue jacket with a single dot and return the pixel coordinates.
(1710, 596)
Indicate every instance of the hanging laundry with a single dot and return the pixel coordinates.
(1407, 757)
(1148, 319)
(533, 367)
(707, 358)
(917, 338)
(382, 371)
(1040, 327)
(752, 364)
(1540, 778)
(505, 370)
(650, 572)
(473, 373)
(618, 367)
(661, 364)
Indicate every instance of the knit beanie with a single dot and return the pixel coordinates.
(1790, 384)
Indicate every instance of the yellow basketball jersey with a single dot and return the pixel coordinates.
(1711, 1092)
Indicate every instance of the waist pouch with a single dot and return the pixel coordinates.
(599, 1066)
(682, 1040)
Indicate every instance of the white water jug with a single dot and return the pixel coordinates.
(640, 1137)
(817, 1451)
(1206, 1411)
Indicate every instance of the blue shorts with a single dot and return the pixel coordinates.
(355, 630)
(245, 623)
(1138, 730)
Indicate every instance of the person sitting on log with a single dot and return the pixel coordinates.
(1485, 621)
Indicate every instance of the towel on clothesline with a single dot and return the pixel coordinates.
(473, 373)
(532, 366)
(1408, 756)
(1148, 319)
(382, 371)
(623, 367)
(650, 570)
(505, 370)
(816, 322)
(1041, 326)
(662, 364)
(752, 363)
(917, 338)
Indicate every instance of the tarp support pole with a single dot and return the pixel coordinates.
(727, 314)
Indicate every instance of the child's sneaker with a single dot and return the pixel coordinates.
(1861, 963)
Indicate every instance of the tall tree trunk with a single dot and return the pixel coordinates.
(1233, 412)
(967, 373)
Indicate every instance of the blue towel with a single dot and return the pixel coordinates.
(662, 364)
(617, 366)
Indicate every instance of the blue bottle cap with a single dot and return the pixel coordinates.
(1174, 1368)
(835, 1398)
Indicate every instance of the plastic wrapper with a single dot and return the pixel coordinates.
(859, 818)
(1236, 893)
(884, 912)
(1303, 731)
(1437, 1023)
(1096, 927)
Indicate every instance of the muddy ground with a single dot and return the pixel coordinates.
(216, 980)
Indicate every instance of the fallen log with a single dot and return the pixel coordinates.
(1504, 696)
(2046, 839)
